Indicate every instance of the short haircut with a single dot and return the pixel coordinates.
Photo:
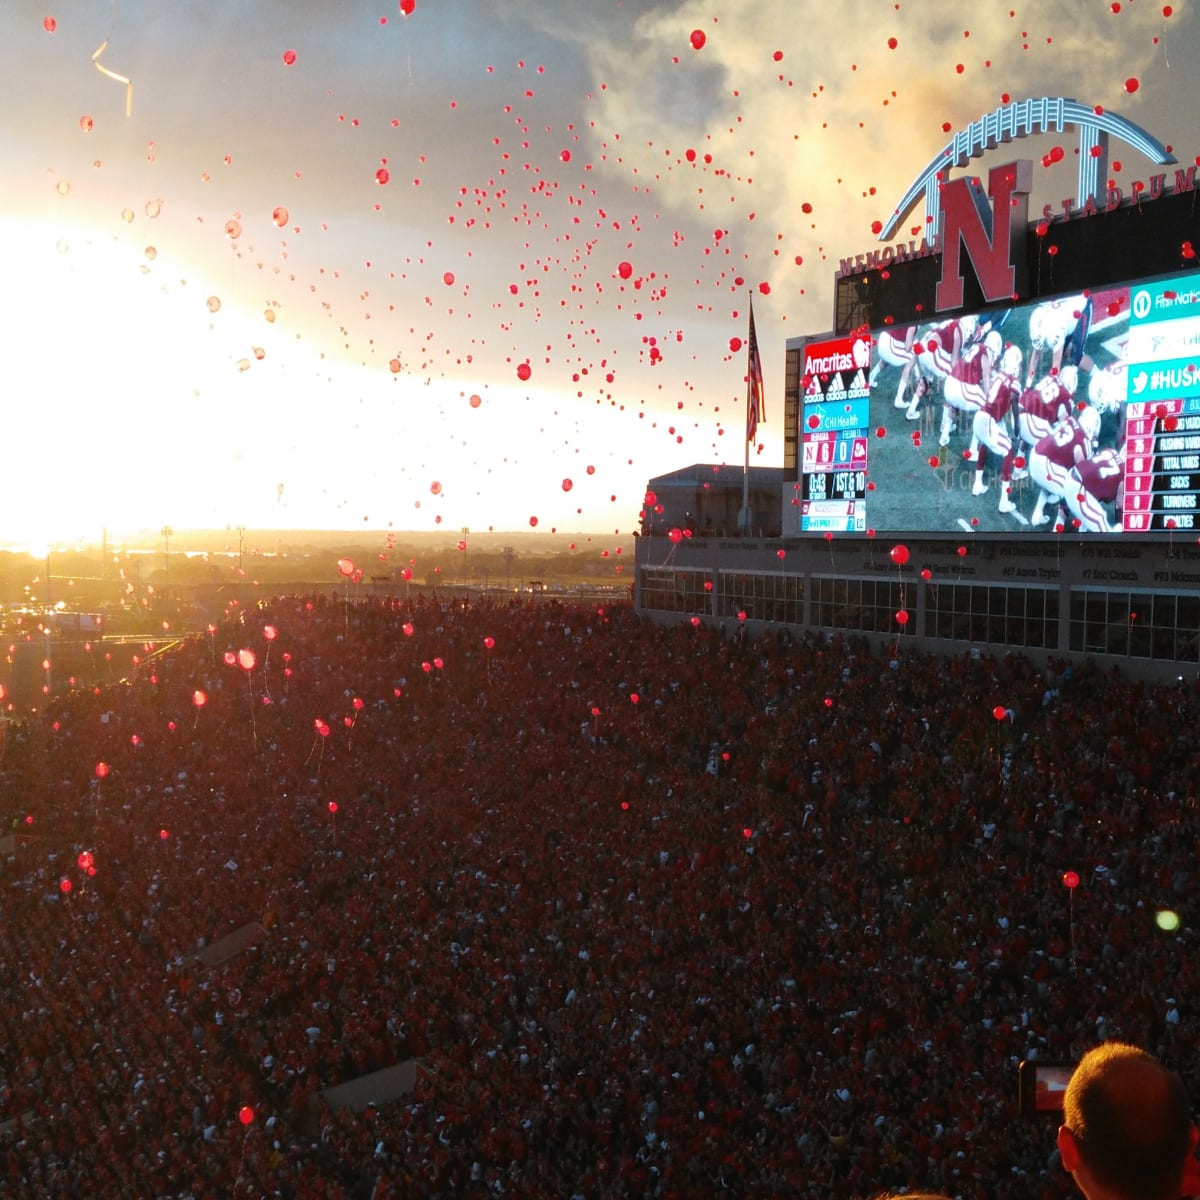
(1129, 1116)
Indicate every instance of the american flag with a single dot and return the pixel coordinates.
(755, 406)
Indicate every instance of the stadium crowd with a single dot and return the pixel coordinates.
(660, 911)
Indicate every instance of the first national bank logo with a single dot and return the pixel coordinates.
(991, 234)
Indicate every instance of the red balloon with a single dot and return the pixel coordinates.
(1070, 880)
(675, 535)
(698, 39)
(902, 617)
(246, 1115)
(199, 699)
(289, 58)
(346, 565)
(246, 660)
(625, 269)
(65, 884)
(270, 632)
(407, 7)
(333, 807)
(999, 712)
(634, 697)
(899, 554)
(927, 574)
(101, 770)
(488, 643)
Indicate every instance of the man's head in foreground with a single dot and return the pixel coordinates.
(1126, 1133)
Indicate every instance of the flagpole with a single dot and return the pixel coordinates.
(744, 521)
(755, 412)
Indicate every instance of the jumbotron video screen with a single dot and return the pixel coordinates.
(1078, 414)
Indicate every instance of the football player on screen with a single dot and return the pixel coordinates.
(1060, 327)
(969, 383)
(1043, 405)
(991, 428)
(1100, 480)
(1054, 459)
(938, 350)
(895, 349)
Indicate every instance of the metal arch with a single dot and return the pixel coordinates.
(1043, 114)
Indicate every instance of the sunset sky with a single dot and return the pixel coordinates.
(293, 287)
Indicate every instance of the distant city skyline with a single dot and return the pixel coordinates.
(298, 285)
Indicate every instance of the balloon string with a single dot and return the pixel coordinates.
(113, 75)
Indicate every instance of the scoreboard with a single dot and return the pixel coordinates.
(1135, 350)
(1162, 410)
(833, 479)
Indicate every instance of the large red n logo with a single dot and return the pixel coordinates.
(992, 237)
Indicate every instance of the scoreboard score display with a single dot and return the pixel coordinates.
(1075, 414)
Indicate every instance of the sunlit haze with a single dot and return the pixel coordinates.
(293, 287)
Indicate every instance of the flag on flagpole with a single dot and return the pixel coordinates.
(755, 406)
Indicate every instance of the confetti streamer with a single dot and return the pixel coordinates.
(113, 75)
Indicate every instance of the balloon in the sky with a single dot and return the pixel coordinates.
(289, 58)
(345, 566)
(698, 39)
(407, 7)
(524, 371)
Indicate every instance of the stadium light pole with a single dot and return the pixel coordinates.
(166, 532)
